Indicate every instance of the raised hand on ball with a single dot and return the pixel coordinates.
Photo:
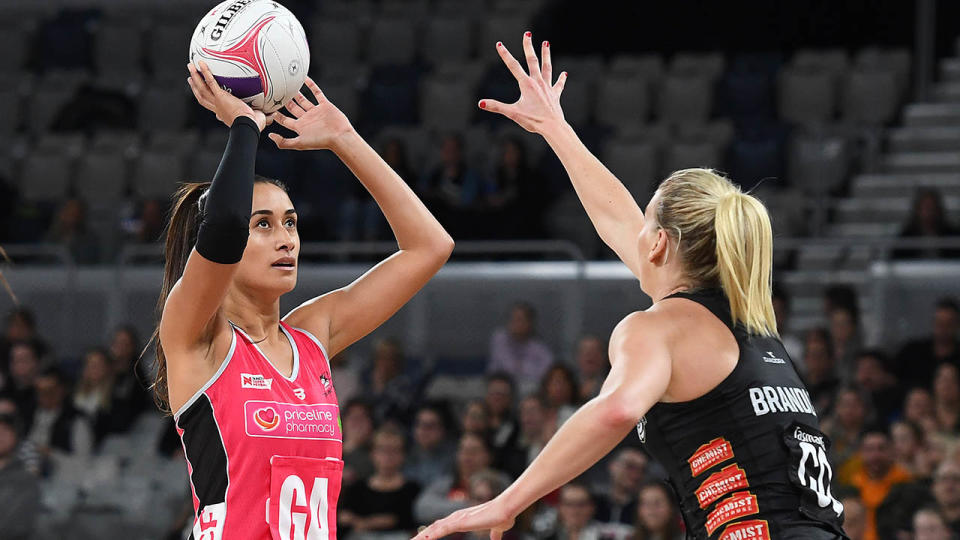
(539, 103)
(317, 127)
(225, 105)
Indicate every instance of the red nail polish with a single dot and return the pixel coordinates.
(546, 43)
(499, 44)
(483, 104)
(528, 34)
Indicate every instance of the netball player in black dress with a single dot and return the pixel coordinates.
(702, 374)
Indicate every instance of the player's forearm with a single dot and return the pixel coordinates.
(413, 225)
(593, 431)
(612, 209)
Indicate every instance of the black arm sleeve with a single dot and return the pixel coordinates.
(223, 231)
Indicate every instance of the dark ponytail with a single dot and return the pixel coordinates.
(181, 236)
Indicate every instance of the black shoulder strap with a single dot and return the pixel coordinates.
(713, 299)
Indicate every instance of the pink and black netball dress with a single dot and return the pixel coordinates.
(264, 450)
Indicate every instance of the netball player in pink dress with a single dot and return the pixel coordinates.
(251, 392)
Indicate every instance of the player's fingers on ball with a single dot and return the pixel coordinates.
(546, 69)
(515, 68)
(317, 93)
(294, 109)
(303, 102)
(208, 76)
(533, 63)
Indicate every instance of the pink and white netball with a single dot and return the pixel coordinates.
(256, 49)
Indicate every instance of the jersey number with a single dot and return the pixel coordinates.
(297, 519)
(813, 467)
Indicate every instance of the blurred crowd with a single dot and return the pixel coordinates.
(893, 417)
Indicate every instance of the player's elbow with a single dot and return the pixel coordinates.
(620, 411)
(441, 248)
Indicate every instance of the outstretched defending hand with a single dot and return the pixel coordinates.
(317, 126)
(539, 103)
(225, 105)
(489, 516)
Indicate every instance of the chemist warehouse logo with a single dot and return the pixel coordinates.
(318, 421)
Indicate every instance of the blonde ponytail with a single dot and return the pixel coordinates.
(727, 242)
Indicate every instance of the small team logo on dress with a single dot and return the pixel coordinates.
(267, 418)
(325, 381)
(300, 393)
(771, 358)
(642, 429)
(255, 381)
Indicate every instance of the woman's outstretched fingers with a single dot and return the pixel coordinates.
(317, 93)
(561, 82)
(280, 141)
(533, 63)
(494, 106)
(303, 102)
(546, 69)
(284, 121)
(511, 62)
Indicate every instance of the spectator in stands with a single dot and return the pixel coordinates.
(19, 488)
(846, 423)
(839, 296)
(918, 408)
(821, 378)
(592, 366)
(94, 392)
(20, 326)
(854, 517)
(874, 474)
(360, 216)
(946, 492)
(24, 369)
(561, 392)
(27, 452)
(513, 195)
(59, 430)
(358, 427)
(946, 398)
(872, 375)
(918, 359)
(433, 453)
(503, 422)
(908, 439)
(452, 189)
(658, 517)
(927, 220)
(618, 502)
(131, 396)
(535, 430)
(576, 512)
(451, 492)
(791, 341)
(146, 227)
(346, 376)
(70, 229)
(845, 334)
(476, 418)
(931, 524)
(388, 389)
(516, 350)
(384, 502)
(484, 486)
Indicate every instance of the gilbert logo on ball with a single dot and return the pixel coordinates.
(256, 49)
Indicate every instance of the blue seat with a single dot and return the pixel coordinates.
(757, 154)
(392, 97)
(64, 41)
(744, 94)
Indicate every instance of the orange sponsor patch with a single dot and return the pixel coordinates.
(731, 508)
(728, 479)
(714, 452)
(756, 529)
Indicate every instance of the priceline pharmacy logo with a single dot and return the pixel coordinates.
(318, 421)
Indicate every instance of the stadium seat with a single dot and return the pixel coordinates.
(709, 65)
(54, 90)
(622, 100)
(344, 94)
(447, 39)
(718, 132)
(45, 176)
(64, 42)
(634, 163)
(869, 97)
(686, 155)
(103, 173)
(586, 67)
(757, 154)
(508, 28)
(446, 104)
(744, 94)
(392, 41)
(685, 98)
(15, 42)
(392, 97)
(818, 163)
(10, 104)
(346, 9)
(417, 9)
(416, 141)
(833, 61)
(648, 66)
(333, 41)
(163, 107)
(896, 60)
(806, 97)
(118, 49)
(168, 47)
(156, 174)
(659, 134)
(578, 101)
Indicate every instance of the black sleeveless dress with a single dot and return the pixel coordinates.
(747, 458)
